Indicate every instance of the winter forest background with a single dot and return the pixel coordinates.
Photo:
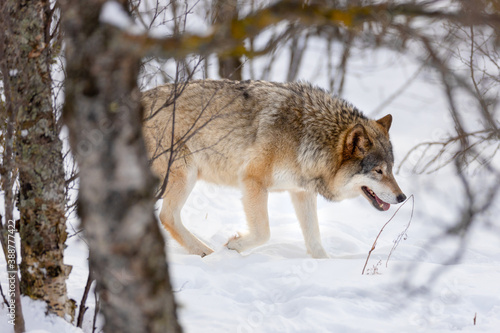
(71, 76)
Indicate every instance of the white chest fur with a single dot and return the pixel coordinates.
(284, 180)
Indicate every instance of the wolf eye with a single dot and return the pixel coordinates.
(379, 171)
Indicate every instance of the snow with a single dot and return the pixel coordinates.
(277, 287)
(114, 14)
(36, 320)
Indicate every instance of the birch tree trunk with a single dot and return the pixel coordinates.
(8, 173)
(39, 157)
(116, 197)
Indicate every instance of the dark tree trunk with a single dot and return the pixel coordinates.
(39, 159)
(226, 11)
(116, 198)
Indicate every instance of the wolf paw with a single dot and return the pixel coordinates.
(234, 243)
(206, 253)
(201, 250)
(245, 241)
(318, 253)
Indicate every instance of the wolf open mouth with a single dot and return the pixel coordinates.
(376, 201)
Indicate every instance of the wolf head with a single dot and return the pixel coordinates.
(366, 167)
(359, 161)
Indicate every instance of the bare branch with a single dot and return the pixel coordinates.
(307, 14)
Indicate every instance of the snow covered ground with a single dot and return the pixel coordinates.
(277, 287)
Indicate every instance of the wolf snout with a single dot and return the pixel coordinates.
(400, 198)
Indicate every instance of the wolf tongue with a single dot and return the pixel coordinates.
(384, 205)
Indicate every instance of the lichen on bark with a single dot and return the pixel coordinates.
(42, 195)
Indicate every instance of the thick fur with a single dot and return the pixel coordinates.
(263, 137)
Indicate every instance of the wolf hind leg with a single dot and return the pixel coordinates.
(180, 183)
(307, 214)
(255, 206)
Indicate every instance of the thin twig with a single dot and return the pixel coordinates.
(342, 67)
(403, 233)
(83, 308)
(399, 91)
(380, 232)
(96, 310)
(444, 145)
(484, 107)
(3, 296)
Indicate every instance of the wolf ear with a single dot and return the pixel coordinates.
(386, 122)
(357, 142)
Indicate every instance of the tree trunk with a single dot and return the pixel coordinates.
(8, 174)
(224, 12)
(116, 198)
(39, 157)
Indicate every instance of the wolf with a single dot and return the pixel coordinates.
(263, 137)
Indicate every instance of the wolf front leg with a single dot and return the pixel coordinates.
(181, 183)
(255, 205)
(306, 210)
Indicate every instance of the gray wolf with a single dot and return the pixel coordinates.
(264, 137)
